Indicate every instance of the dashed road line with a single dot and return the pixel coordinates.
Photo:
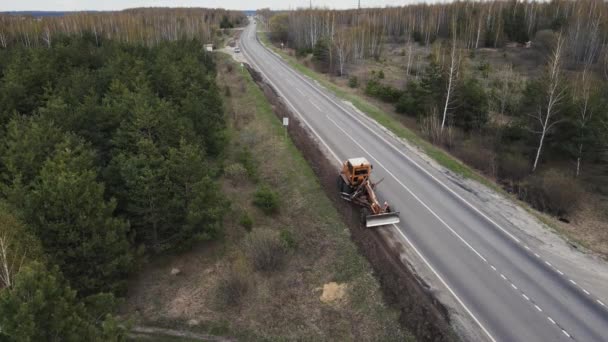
(551, 320)
(538, 308)
(525, 297)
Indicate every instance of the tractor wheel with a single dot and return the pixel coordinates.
(342, 186)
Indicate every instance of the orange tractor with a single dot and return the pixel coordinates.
(356, 187)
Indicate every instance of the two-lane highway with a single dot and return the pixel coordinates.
(509, 291)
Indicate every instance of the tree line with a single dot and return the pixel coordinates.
(148, 26)
(109, 152)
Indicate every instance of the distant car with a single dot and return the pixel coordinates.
(237, 50)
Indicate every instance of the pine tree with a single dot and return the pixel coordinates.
(75, 224)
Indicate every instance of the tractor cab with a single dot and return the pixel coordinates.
(356, 170)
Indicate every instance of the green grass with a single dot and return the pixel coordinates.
(385, 119)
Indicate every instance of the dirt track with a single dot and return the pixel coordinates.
(421, 312)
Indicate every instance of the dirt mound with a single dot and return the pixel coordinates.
(333, 292)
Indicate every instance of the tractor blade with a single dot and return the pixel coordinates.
(382, 219)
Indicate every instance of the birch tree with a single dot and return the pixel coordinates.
(452, 72)
(547, 112)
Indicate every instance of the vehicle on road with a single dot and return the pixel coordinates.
(355, 186)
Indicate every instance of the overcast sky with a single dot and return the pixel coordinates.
(78, 5)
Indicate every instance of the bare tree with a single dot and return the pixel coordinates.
(548, 110)
(508, 88)
(342, 43)
(452, 72)
(10, 261)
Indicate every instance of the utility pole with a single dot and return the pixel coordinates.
(359, 7)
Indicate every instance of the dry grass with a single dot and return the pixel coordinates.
(285, 304)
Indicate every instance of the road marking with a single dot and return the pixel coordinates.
(493, 268)
(600, 302)
(548, 263)
(526, 247)
(444, 282)
(299, 91)
(503, 276)
(565, 333)
(572, 281)
(314, 105)
(538, 308)
(526, 297)
(513, 286)
(560, 272)
(536, 255)
(551, 320)
(586, 292)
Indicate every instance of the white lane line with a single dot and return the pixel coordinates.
(493, 268)
(551, 320)
(295, 110)
(566, 333)
(600, 302)
(513, 286)
(314, 105)
(536, 255)
(503, 276)
(538, 308)
(572, 281)
(548, 263)
(560, 272)
(299, 91)
(483, 328)
(586, 292)
(525, 297)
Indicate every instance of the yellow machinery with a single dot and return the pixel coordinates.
(355, 186)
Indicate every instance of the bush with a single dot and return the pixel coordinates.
(513, 167)
(232, 287)
(383, 92)
(381, 74)
(353, 82)
(246, 221)
(288, 239)
(554, 192)
(236, 173)
(245, 157)
(267, 200)
(265, 249)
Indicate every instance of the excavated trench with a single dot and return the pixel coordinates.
(420, 312)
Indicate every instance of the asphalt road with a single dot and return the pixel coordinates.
(510, 292)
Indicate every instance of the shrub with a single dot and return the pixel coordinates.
(245, 157)
(265, 249)
(381, 74)
(353, 82)
(246, 221)
(236, 173)
(554, 192)
(267, 200)
(288, 238)
(383, 92)
(513, 167)
(232, 287)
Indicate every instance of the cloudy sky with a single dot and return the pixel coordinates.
(75, 5)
